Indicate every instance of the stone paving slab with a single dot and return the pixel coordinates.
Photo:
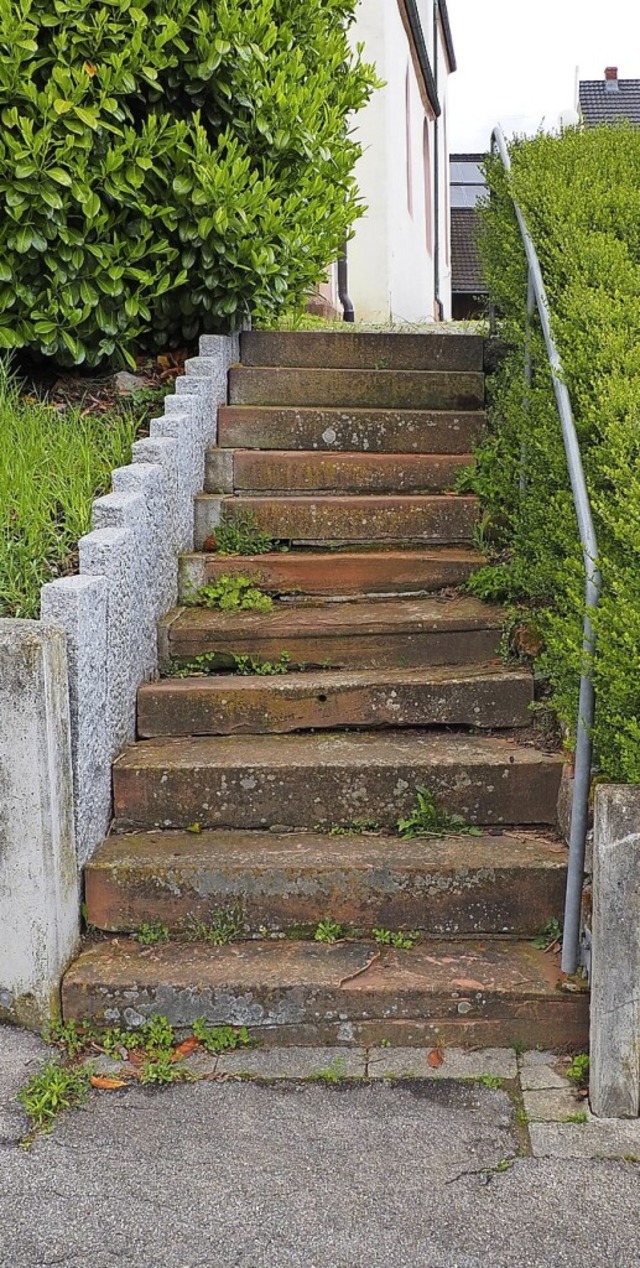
(295, 1063)
(535, 1057)
(537, 1077)
(553, 1105)
(597, 1138)
(456, 1063)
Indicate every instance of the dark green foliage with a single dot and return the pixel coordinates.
(169, 166)
(580, 194)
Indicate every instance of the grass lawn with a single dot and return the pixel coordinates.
(53, 462)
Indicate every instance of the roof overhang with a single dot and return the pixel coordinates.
(447, 36)
(420, 56)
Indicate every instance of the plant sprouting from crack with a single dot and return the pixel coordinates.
(232, 593)
(248, 665)
(152, 933)
(220, 1038)
(239, 533)
(328, 931)
(428, 819)
(55, 1088)
(226, 924)
(401, 939)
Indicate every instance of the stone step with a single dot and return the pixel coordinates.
(377, 389)
(281, 471)
(349, 349)
(309, 781)
(347, 429)
(341, 573)
(331, 518)
(392, 633)
(448, 885)
(230, 704)
(490, 993)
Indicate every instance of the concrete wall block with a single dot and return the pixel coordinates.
(219, 470)
(78, 605)
(109, 553)
(39, 887)
(129, 512)
(200, 390)
(157, 562)
(183, 428)
(163, 452)
(615, 979)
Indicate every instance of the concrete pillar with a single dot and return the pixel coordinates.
(615, 982)
(39, 893)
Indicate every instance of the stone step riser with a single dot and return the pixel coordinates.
(359, 389)
(315, 782)
(431, 520)
(342, 573)
(343, 349)
(348, 430)
(235, 705)
(295, 993)
(364, 883)
(253, 472)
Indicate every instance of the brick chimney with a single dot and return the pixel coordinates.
(611, 79)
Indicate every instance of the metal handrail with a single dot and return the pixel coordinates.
(586, 707)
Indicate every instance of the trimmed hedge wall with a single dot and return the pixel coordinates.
(168, 167)
(580, 193)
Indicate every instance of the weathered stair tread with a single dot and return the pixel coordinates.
(308, 471)
(418, 517)
(401, 632)
(511, 883)
(350, 428)
(401, 389)
(284, 986)
(256, 781)
(231, 704)
(337, 573)
(344, 349)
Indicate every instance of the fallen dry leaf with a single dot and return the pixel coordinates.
(435, 1058)
(101, 1081)
(185, 1048)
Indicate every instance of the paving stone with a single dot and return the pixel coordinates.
(599, 1138)
(537, 1077)
(294, 1063)
(552, 1105)
(535, 1057)
(457, 1064)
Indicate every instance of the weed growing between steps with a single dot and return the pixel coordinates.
(152, 933)
(225, 926)
(231, 594)
(218, 662)
(427, 819)
(239, 533)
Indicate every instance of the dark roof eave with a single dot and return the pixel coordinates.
(417, 36)
(448, 38)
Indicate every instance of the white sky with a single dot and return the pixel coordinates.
(517, 60)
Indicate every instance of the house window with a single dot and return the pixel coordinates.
(428, 186)
(407, 103)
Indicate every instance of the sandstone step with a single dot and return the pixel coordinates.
(419, 518)
(491, 993)
(349, 349)
(278, 471)
(448, 885)
(341, 573)
(230, 704)
(399, 633)
(371, 430)
(308, 781)
(381, 389)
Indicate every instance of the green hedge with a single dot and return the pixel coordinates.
(169, 166)
(580, 193)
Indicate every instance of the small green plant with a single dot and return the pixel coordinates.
(429, 819)
(491, 1081)
(157, 1035)
(232, 593)
(225, 926)
(581, 1117)
(328, 931)
(578, 1070)
(550, 936)
(505, 1164)
(220, 1038)
(354, 827)
(72, 1037)
(161, 1069)
(151, 933)
(56, 1088)
(400, 939)
(208, 663)
(239, 533)
(333, 1073)
(247, 665)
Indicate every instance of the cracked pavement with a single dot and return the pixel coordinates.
(250, 1175)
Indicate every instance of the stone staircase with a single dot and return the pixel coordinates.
(277, 796)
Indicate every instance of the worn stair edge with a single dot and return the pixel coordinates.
(452, 885)
(299, 991)
(394, 633)
(318, 780)
(381, 389)
(347, 349)
(432, 518)
(256, 472)
(347, 428)
(342, 573)
(230, 704)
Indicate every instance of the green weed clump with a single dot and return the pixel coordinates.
(56, 1088)
(233, 593)
(53, 463)
(428, 819)
(167, 169)
(580, 193)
